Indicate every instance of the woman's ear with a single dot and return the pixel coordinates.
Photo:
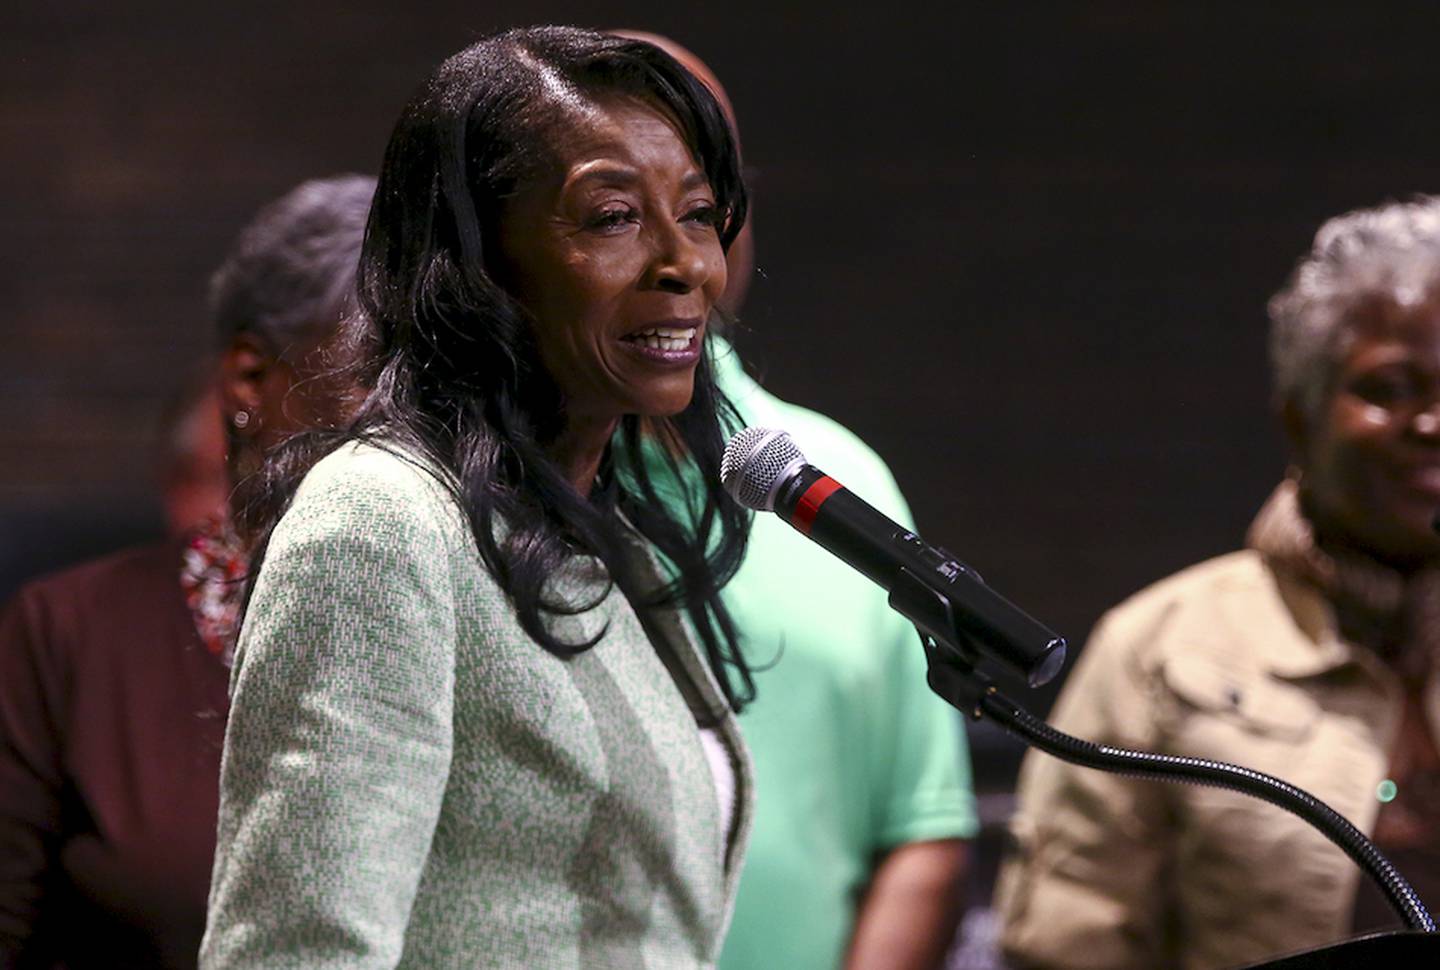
(243, 369)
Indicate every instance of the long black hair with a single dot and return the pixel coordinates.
(456, 375)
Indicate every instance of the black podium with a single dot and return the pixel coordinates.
(1379, 951)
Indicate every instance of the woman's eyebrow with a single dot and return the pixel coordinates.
(622, 175)
(625, 176)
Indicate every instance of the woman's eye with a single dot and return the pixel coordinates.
(707, 215)
(612, 219)
(1383, 389)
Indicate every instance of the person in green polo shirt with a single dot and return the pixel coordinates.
(862, 776)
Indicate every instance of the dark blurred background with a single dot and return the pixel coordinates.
(1024, 249)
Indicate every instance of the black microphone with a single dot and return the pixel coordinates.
(944, 598)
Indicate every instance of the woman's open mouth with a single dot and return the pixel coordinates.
(671, 343)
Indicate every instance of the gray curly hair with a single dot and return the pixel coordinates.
(291, 271)
(1390, 252)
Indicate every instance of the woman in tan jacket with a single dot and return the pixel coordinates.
(1308, 655)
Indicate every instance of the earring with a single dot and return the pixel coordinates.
(241, 419)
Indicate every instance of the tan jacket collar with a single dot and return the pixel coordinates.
(1312, 646)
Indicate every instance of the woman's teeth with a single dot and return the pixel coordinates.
(664, 338)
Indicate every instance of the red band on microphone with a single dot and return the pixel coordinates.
(809, 504)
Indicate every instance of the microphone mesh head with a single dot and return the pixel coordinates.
(757, 462)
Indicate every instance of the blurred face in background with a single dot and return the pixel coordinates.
(297, 389)
(1370, 460)
(193, 479)
(279, 392)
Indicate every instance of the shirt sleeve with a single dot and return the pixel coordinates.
(339, 741)
(926, 792)
(30, 770)
(1084, 887)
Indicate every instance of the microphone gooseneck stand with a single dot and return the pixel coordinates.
(974, 694)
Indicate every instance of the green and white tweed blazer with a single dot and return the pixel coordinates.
(410, 781)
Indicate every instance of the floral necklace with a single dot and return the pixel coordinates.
(212, 577)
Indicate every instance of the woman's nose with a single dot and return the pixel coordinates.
(680, 264)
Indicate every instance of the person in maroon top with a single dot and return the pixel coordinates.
(114, 673)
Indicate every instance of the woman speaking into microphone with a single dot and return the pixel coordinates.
(484, 692)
